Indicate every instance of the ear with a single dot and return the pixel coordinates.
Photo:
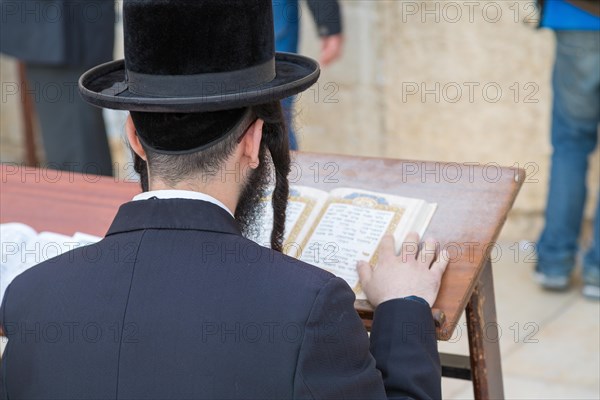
(133, 139)
(251, 142)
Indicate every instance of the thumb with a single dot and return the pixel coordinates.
(364, 271)
(441, 262)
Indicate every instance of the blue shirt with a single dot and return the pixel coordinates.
(560, 15)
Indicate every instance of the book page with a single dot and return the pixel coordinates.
(13, 237)
(83, 239)
(423, 218)
(16, 232)
(416, 213)
(350, 228)
(303, 207)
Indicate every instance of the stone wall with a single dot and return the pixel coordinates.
(437, 80)
(442, 80)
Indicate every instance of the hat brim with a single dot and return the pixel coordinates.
(294, 74)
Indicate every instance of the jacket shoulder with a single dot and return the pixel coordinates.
(83, 264)
(286, 263)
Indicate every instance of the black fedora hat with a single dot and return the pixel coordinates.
(189, 56)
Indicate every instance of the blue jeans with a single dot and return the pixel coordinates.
(287, 23)
(575, 118)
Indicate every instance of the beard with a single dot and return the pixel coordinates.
(249, 207)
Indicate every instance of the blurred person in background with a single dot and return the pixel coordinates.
(574, 135)
(58, 40)
(327, 16)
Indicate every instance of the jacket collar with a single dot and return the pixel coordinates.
(180, 214)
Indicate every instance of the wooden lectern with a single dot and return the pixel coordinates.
(473, 203)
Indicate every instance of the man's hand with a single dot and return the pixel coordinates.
(331, 49)
(413, 273)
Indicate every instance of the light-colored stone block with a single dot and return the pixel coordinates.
(406, 62)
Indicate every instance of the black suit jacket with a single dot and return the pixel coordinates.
(75, 33)
(175, 304)
(327, 15)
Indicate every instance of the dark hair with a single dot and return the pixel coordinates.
(177, 130)
(175, 168)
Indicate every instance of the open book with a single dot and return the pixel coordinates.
(335, 230)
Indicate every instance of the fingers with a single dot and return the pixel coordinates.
(325, 52)
(412, 237)
(410, 246)
(387, 248)
(326, 57)
(331, 49)
(428, 252)
(364, 272)
(439, 266)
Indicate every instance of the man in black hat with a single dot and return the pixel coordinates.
(175, 303)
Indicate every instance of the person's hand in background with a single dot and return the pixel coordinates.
(331, 49)
(415, 272)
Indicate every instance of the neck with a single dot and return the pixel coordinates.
(225, 193)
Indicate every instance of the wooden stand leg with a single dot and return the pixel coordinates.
(484, 343)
